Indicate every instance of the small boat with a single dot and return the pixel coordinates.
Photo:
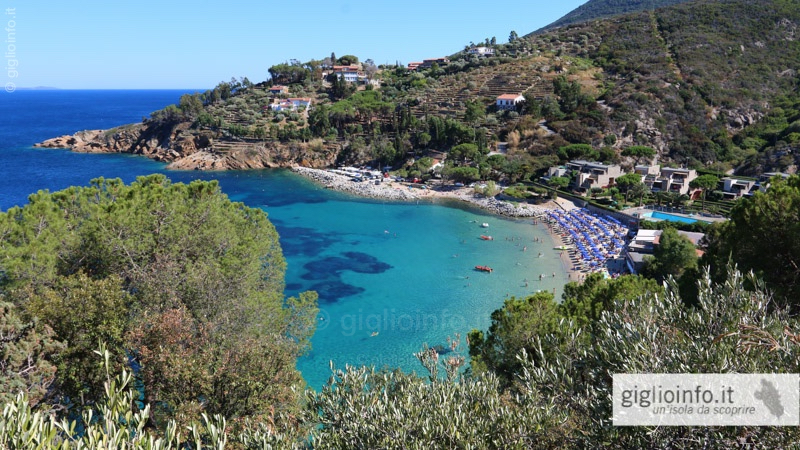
(486, 238)
(486, 269)
(374, 333)
(484, 225)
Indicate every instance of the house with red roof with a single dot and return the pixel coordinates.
(279, 89)
(291, 104)
(509, 101)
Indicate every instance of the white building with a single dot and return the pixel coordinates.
(290, 104)
(481, 51)
(509, 101)
(733, 188)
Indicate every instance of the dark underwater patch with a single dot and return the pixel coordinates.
(328, 272)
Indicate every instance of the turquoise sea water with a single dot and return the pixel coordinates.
(401, 271)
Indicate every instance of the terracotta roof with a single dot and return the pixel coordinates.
(508, 97)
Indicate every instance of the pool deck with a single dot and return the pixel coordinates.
(639, 211)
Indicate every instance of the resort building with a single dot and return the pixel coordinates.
(649, 175)
(509, 101)
(764, 180)
(644, 244)
(674, 179)
(481, 51)
(733, 188)
(593, 174)
(556, 171)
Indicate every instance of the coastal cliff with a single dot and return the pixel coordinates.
(185, 148)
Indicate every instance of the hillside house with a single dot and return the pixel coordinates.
(279, 89)
(593, 174)
(290, 104)
(413, 66)
(481, 51)
(428, 63)
(350, 74)
(509, 101)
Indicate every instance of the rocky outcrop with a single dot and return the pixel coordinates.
(186, 148)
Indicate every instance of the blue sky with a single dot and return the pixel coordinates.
(149, 44)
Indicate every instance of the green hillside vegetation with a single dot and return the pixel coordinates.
(199, 346)
(703, 84)
(560, 396)
(179, 283)
(602, 9)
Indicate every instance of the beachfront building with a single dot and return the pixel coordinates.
(733, 188)
(644, 243)
(509, 101)
(593, 174)
(481, 51)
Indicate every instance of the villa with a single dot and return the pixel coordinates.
(350, 74)
(481, 51)
(509, 101)
(291, 104)
(278, 89)
(428, 63)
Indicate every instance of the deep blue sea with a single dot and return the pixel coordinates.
(391, 276)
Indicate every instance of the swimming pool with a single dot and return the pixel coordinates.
(658, 215)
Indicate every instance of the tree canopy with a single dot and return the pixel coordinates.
(639, 152)
(763, 235)
(131, 259)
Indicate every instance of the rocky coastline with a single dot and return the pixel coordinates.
(392, 190)
(185, 148)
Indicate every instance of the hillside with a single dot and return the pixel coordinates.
(600, 9)
(703, 84)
